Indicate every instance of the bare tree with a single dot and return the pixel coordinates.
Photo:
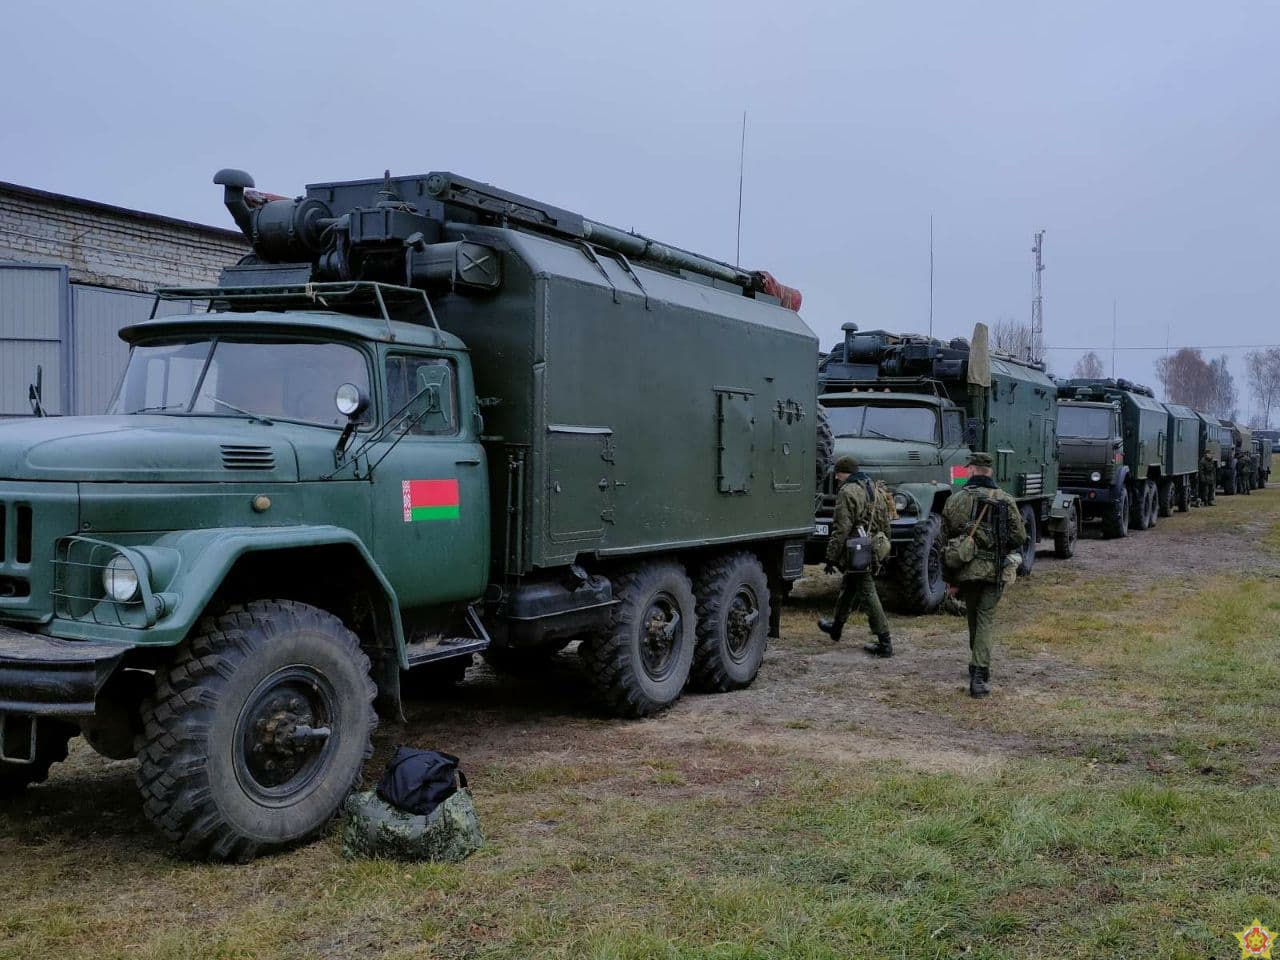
(1013, 339)
(1222, 396)
(1187, 378)
(1088, 367)
(1263, 369)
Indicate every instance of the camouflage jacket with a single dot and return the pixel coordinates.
(962, 509)
(1208, 468)
(858, 504)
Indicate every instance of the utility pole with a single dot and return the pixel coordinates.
(1035, 350)
(1113, 338)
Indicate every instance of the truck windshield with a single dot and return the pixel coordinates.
(1084, 423)
(280, 380)
(915, 424)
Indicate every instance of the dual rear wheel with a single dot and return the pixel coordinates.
(668, 631)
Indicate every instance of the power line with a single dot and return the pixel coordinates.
(1162, 348)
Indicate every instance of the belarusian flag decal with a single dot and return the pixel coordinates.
(430, 500)
(959, 475)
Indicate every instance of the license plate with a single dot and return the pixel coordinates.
(821, 530)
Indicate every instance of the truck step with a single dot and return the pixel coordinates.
(443, 648)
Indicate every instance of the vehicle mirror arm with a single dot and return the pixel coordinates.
(392, 422)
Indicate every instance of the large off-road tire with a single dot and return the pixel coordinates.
(1116, 523)
(52, 737)
(824, 446)
(1164, 490)
(1140, 508)
(1064, 541)
(234, 760)
(733, 603)
(640, 663)
(1182, 500)
(920, 568)
(1028, 551)
(1153, 504)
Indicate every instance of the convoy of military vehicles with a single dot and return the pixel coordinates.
(427, 418)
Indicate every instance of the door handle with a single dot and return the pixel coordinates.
(469, 462)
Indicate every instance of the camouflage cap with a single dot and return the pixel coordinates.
(847, 464)
(980, 459)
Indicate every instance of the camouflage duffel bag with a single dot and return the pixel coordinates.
(374, 828)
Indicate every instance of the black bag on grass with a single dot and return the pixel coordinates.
(418, 781)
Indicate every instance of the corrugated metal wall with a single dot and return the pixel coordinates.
(69, 329)
(34, 316)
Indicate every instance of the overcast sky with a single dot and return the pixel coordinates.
(1144, 137)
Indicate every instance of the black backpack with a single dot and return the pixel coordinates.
(418, 781)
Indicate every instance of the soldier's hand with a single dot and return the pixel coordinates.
(828, 569)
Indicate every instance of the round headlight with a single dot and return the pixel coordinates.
(1095, 476)
(349, 400)
(900, 502)
(120, 579)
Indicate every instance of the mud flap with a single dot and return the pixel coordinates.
(1060, 511)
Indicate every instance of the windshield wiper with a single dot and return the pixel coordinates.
(158, 406)
(248, 413)
(877, 433)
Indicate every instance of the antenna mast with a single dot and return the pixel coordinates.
(1035, 349)
(742, 162)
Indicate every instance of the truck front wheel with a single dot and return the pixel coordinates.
(257, 731)
(920, 568)
(1140, 508)
(732, 595)
(1116, 522)
(640, 663)
(1064, 541)
(1033, 537)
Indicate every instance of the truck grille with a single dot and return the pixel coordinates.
(15, 533)
(1079, 476)
(237, 456)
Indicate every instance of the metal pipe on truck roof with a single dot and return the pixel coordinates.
(642, 248)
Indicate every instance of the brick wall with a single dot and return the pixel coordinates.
(111, 247)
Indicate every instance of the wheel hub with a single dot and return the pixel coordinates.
(658, 631)
(744, 614)
(285, 733)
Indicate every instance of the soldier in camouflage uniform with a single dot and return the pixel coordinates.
(981, 580)
(856, 506)
(1208, 480)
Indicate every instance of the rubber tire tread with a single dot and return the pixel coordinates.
(708, 672)
(1033, 537)
(172, 773)
(607, 656)
(913, 594)
(1165, 498)
(824, 446)
(1116, 524)
(51, 748)
(1140, 509)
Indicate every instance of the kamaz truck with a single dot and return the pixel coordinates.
(1127, 456)
(1237, 441)
(911, 409)
(425, 418)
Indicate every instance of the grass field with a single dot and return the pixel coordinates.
(1115, 798)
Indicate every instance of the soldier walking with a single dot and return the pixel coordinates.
(1208, 479)
(984, 513)
(857, 505)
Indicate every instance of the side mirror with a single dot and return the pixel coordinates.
(350, 401)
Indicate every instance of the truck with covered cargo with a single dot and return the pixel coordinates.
(910, 409)
(1129, 457)
(425, 418)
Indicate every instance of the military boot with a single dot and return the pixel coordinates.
(979, 681)
(831, 627)
(883, 647)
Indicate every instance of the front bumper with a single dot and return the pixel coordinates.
(47, 677)
(1092, 499)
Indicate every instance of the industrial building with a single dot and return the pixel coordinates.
(72, 273)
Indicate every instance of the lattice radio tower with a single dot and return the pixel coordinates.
(1035, 349)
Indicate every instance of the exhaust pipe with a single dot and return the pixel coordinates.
(234, 184)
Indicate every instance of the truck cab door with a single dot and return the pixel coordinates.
(430, 497)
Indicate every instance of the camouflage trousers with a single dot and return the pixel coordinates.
(1208, 491)
(980, 599)
(859, 590)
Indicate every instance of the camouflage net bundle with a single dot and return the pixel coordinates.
(374, 828)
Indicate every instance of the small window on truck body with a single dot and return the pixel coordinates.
(422, 393)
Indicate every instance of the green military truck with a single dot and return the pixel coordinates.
(1238, 477)
(425, 418)
(1127, 456)
(1263, 448)
(911, 408)
(1211, 440)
